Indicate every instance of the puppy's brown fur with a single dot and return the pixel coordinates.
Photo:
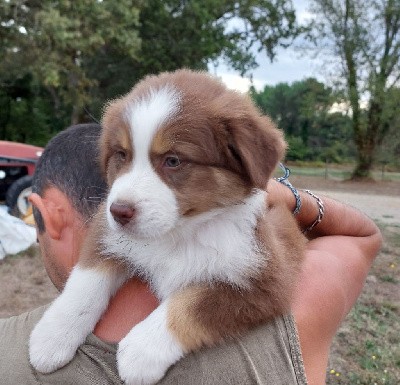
(232, 149)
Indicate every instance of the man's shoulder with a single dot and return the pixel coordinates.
(14, 337)
(21, 324)
(240, 361)
(94, 362)
(267, 354)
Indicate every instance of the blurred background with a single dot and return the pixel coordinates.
(326, 71)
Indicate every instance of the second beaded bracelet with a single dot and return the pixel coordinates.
(321, 211)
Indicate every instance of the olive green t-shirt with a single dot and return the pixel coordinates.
(268, 355)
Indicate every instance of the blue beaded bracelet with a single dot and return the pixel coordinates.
(284, 180)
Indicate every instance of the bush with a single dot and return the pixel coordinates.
(297, 149)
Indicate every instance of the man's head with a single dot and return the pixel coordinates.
(69, 163)
(67, 188)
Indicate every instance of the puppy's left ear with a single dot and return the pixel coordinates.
(259, 145)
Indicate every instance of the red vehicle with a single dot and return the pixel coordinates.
(17, 165)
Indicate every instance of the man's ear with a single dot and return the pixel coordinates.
(52, 209)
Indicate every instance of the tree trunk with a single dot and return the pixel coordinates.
(366, 142)
(5, 118)
(75, 115)
(364, 164)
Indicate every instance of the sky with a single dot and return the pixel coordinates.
(288, 66)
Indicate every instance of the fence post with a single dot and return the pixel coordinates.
(326, 168)
(384, 163)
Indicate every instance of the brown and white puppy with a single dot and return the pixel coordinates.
(187, 162)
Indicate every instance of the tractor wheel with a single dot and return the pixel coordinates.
(17, 196)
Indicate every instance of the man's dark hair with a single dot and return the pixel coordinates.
(70, 163)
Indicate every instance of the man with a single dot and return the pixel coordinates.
(67, 189)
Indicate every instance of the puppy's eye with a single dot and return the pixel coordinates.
(172, 161)
(121, 155)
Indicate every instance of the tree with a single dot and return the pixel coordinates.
(364, 37)
(84, 52)
(26, 112)
(178, 33)
(191, 34)
(303, 110)
(389, 151)
(50, 40)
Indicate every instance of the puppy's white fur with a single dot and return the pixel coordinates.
(148, 350)
(71, 317)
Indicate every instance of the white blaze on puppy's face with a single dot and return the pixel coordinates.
(140, 187)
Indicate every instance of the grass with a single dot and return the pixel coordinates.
(366, 350)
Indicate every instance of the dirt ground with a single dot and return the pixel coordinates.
(24, 284)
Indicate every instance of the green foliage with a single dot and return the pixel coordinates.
(178, 33)
(297, 150)
(26, 113)
(51, 41)
(303, 111)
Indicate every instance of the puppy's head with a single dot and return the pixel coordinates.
(181, 144)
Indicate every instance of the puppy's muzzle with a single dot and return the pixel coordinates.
(122, 213)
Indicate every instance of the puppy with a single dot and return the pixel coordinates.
(187, 162)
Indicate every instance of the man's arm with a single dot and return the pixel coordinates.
(339, 254)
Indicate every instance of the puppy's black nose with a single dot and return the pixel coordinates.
(122, 213)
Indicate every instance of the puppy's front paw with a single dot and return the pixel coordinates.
(50, 347)
(147, 352)
(140, 365)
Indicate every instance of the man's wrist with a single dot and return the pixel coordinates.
(320, 215)
(284, 180)
(311, 207)
(279, 194)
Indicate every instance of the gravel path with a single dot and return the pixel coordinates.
(383, 208)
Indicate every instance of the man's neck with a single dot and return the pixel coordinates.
(132, 303)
